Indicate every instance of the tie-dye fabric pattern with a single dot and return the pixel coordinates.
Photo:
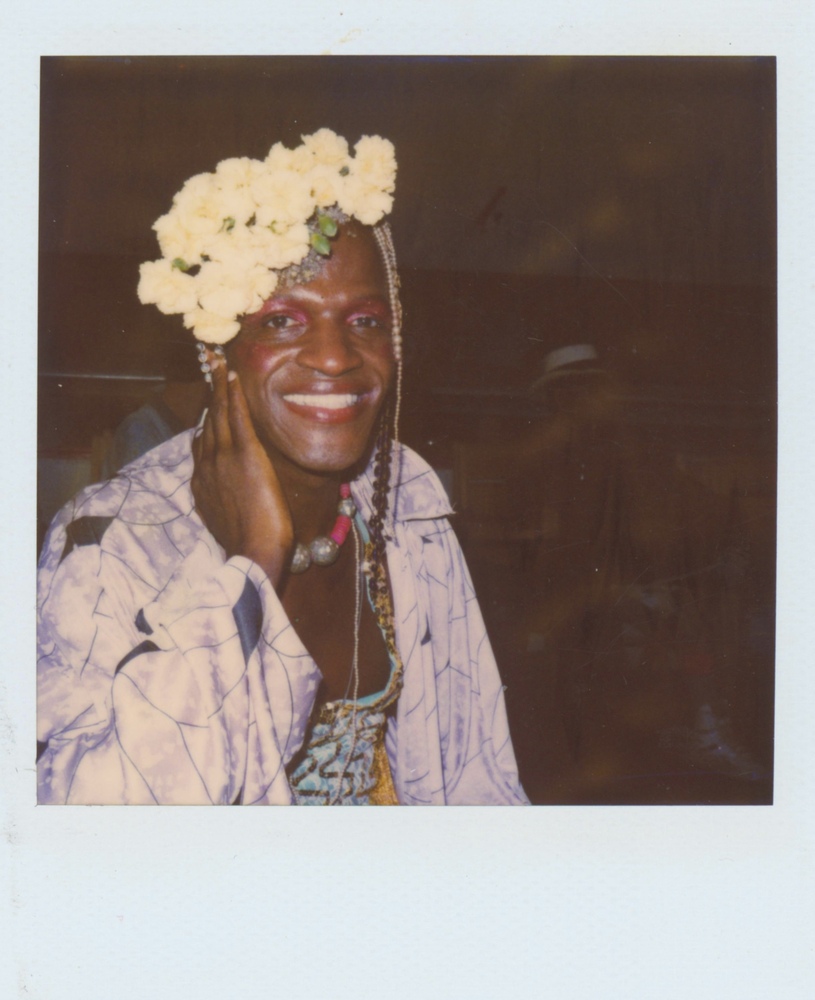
(169, 675)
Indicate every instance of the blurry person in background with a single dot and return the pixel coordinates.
(640, 600)
(173, 408)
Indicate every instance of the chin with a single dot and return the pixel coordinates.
(329, 458)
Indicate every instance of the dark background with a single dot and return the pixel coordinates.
(623, 202)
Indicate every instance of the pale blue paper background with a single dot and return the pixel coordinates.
(565, 903)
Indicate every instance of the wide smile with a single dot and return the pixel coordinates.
(334, 401)
(332, 407)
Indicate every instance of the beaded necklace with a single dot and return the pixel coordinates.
(325, 548)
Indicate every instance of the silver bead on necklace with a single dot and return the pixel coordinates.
(323, 551)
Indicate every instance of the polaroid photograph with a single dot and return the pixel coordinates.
(407, 406)
(586, 397)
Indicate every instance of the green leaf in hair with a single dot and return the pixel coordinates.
(321, 244)
(328, 227)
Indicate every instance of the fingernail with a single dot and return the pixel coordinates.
(232, 376)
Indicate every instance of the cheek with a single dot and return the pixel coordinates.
(254, 357)
(381, 358)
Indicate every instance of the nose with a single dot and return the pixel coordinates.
(329, 349)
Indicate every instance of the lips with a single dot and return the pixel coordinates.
(329, 407)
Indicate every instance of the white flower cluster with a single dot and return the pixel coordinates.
(228, 233)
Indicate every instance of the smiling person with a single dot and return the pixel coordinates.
(272, 608)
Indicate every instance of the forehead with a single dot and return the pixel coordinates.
(355, 262)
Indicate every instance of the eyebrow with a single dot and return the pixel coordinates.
(294, 297)
(291, 297)
(372, 300)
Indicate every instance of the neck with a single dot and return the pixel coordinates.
(312, 498)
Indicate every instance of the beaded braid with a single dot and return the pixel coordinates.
(376, 527)
(387, 441)
(375, 553)
(384, 239)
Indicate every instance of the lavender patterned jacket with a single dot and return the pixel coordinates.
(168, 675)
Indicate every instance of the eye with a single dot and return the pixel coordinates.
(280, 321)
(369, 321)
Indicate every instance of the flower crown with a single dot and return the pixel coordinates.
(230, 233)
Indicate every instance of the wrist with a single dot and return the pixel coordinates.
(274, 560)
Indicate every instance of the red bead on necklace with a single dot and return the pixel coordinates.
(324, 549)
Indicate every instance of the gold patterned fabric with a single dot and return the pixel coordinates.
(383, 793)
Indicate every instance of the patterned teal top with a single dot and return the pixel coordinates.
(332, 755)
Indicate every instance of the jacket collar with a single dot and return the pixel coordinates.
(416, 492)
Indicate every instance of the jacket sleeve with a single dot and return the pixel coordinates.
(162, 679)
(451, 739)
(480, 765)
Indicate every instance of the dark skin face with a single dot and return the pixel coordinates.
(296, 416)
(316, 361)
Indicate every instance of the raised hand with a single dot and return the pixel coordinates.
(236, 489)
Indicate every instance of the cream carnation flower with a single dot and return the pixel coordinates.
(246, 246)
(364, 201)
(224, 290)
(165, 286)
(247, 221)
(279, 250)
(209, 328)
(262, 282)
(199, 207)
(228, 244)
(302, 159)
(375, 162)
(279, 157)
(175, 241)
(234, 288)
(235, 178)
(293, 244)
(282, 196)
(235, 206)
(238, 171)
(226, 301)
(327, 148)
(326, 185)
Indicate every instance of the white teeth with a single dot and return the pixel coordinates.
(335, 401)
